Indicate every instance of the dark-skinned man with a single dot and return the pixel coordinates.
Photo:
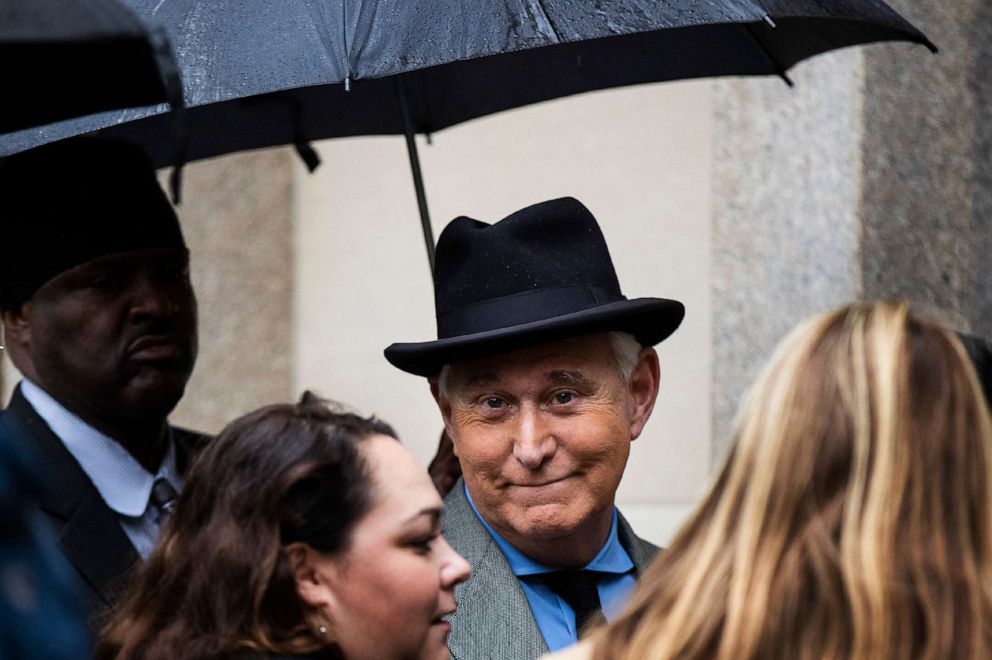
(100, 318)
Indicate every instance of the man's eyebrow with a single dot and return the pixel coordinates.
(434, 512)
(567, 377)
(487, 378)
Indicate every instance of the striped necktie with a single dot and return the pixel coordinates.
(163, 498)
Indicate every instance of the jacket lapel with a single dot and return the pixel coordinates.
(494, 619)
(641, 552)
(88, 532)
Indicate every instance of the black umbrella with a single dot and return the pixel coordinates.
(259, 73)
(67, 58)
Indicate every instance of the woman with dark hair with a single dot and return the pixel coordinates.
(300, 531)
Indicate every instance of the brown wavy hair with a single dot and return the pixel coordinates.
(218, 584)
(852, 518)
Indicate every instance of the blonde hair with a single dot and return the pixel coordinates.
(852, 518)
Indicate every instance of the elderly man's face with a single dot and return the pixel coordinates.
(113, 338)
(543, 434)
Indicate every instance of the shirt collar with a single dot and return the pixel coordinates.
(121, 481)
(611, 558)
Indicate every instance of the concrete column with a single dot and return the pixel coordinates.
(926, 205)
(785, 218)
(873, 178)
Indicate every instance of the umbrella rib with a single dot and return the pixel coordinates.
(779, 69)
(347, 45)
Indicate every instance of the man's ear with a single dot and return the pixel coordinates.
(310, 575)
(17, 339)
(644, 384)
(16, 327)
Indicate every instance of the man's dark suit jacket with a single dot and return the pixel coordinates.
(89, 533)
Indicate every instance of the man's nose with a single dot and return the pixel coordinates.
(151, 300)
(534, 441)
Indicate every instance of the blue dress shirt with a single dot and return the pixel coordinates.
(555, 618)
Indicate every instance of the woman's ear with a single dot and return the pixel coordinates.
(310, 574)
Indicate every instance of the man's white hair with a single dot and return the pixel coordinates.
(626, 350)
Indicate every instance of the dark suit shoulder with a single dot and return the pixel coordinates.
(188, 443)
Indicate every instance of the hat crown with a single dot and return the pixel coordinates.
(554, 245)
(72, 201)
(539, 275)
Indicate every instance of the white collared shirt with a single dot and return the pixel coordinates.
(122, 482)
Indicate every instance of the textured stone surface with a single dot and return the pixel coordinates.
(237, 218)
(785, 228)
(872, 179)
(927, 202)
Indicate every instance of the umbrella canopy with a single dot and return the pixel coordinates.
(259, 73)
(77, 57)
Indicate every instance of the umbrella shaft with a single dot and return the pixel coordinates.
(418, 179)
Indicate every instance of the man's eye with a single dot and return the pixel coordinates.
(564, 397)
(493, 402)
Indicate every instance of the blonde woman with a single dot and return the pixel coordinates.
(852, 519)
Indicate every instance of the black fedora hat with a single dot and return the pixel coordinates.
(541, 274)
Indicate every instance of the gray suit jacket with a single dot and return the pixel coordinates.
(494, 620)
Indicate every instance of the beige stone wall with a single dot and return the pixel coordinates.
(639, 158)
(237, 218)
(8, 377)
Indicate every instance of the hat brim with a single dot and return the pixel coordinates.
(650, 320)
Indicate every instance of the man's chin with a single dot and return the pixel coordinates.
(547, 522)
(154, 401)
